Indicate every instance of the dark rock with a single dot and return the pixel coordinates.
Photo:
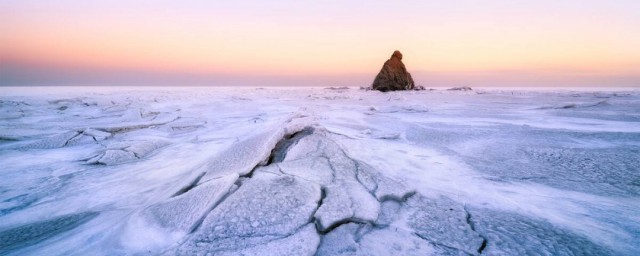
(393, 76)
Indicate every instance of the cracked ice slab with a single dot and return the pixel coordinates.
(318, 145)
(395, 232)
(317, 158)
(360, 239)
(443, 222)
(306, 147)
(341, 241)
(346, 201)
(317, 170)
(55, 141)
(244, 156)
(184, 212)
(96, 134)
(303, 242)
(266, 207)
(134, 125)
(127, 151)
(398, 242)
(383, 188)
(113, 157)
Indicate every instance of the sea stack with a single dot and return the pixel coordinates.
(393, 76)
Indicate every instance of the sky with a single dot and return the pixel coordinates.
(319, 43)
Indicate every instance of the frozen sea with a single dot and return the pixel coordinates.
(318, 171)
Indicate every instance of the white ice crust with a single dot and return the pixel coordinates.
(309, 171)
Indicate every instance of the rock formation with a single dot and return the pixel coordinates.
(393, 76)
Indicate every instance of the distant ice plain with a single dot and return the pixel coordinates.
(494, 171)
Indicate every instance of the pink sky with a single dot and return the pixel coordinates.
(320, 43)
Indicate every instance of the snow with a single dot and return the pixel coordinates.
(303, 171)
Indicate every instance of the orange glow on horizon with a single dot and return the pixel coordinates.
(224, 44)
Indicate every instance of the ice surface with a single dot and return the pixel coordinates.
(312, 171)
(126, 151)
(33, 233)
(186, 211)
(445, 223)
(346, 201)
(56, 141)
(303, 242)
(360, 239)
(511, 234)
(266, 207)
(244, 155)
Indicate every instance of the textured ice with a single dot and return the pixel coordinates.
(134, 125)
(511, 234)
(141, 149)
(403, 108)
(346, 201)
(113, 156)
(309, 171)
(360, 239)
(594, 162)
(443, 222)
(340, 241)
(127, 151)
(317, 158)
(303, 242)
(33, 233)
(187, 125)
(266, 207)
(55, 141)
(382, 187)
(313, 169)
(397, 242)
(186, 211)
(244, 155)
(419, 226)
(22, 194)
(306, 147)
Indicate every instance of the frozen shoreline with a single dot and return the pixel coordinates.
(66, 90)
(557, 166)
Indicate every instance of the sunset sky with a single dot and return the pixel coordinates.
(319, 43)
